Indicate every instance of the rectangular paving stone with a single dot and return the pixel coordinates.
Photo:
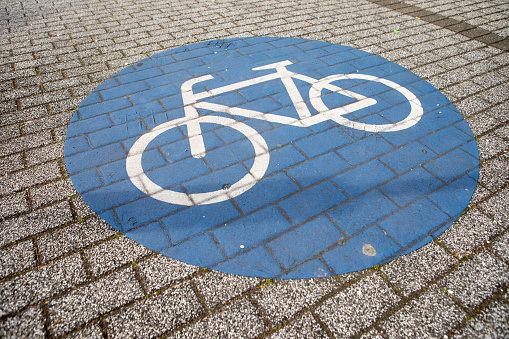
(41, 283)
(27, 324)
(114, 253)
(35, 222)
(242, 318)
(363, 211)
(357, 307)
(52, 192)
(157, 314)
(285, 298)
(25, 142)
(318, 169)
(432, 314)
(413, 271)
(30, 177)
(469, 232)
(11, 163)
(17, 258)
(491, 322)
(13, 204)
(476, 279)
(217, 288)
(494, 174)
(357, 180)
(90, 301)
(251, 231)
(72, 238)
(160, 271)
(397, 225)
(303, 327)
(416, 183)
(308, 239)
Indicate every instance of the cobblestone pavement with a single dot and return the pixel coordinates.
(64, 272)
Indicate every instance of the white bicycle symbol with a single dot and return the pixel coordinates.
(192, 120)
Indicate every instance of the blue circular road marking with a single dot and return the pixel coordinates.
(272, 157)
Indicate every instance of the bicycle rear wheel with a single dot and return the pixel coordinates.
(146, 185)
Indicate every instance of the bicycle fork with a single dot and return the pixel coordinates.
(190, 99)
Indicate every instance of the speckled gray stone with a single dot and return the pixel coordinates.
(359, 306)
(476, 279)
(27, 324)
(469, 232)
(431, 315)
(114, 253)
(157, 314)
(301, 328)
(282, 299)
(160, 271)
(17, 258)
(411, 272)
(72, 238)
(93, 300)
(237, 320)
(41, 283)
(493, 322)
(217, 288)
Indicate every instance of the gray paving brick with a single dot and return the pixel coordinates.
(497, 207)
(33, 223)
(237, 320)
(41, 283)
(493, 322)
(25, 142)
(284, 298)
(501, 246)
(93, 331)
(476, 279)
(160, 271)
(8, 106)
(11, 163)
(482, 123)
(113, 254)
(217, 288)
(65, 106)
(9, 132)
(13, 204)
(17, 258)
(499, 112)
(471, 105)
(27, 324)
(92, 300)
(44, 154)
(39, 79)
(301, 328)
(52, 192)
(470, 231)
(157, 314)
(495, 173)
(37, 175)
(431, 315)
(65, 83)
(59, 133)
(44, 98)
(491, 145)
(72, 238)
(411, 272)
(357, 307)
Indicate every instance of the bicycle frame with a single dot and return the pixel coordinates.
(191, 103)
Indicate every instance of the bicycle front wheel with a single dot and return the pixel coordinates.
(139, 178)
(336, 114)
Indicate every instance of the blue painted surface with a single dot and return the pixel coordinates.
(333, 199)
